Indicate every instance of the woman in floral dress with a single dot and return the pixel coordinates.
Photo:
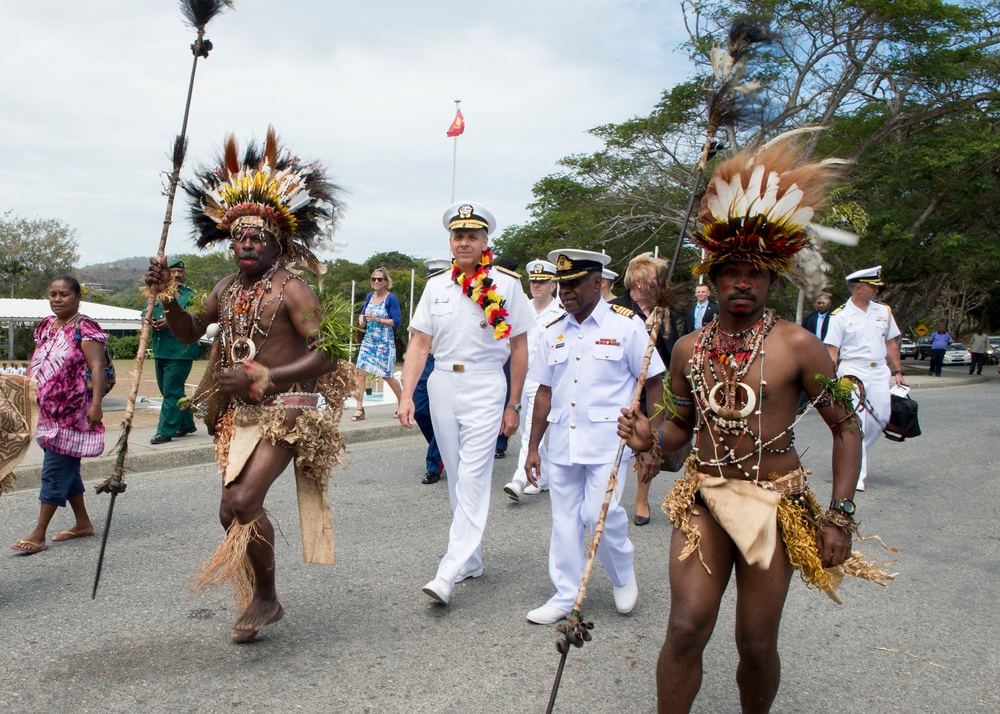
(377, 355)
(69, 417)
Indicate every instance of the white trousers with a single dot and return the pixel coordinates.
(577, 493)
(527, 409)
(466, 410)
(876, 409)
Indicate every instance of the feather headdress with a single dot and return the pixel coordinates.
(269, 188)
(758, 207)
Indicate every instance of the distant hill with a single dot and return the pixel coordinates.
(117, 276)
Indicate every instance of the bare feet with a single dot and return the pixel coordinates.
(258, 614)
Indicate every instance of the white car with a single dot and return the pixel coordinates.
(957, 354)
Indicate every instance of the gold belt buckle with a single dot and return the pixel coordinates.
(458, 368)
(873, 364)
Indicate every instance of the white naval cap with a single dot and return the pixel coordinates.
(572, 263)
(540, 270)
(871, 276)
(435, 264)
(609, 275)
(469, 214)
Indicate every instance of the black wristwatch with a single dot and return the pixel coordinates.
(515, 407)
(844, 505)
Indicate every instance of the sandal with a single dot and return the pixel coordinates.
(359, 415)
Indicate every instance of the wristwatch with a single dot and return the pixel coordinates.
(844, 505)
(515, 407)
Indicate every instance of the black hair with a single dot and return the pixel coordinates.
(73, 283)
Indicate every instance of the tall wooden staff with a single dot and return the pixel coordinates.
(198, 14)
(728, 68)
(574, 632)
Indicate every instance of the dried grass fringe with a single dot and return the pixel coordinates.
(679, 507)
(230, 564)
(797, 532)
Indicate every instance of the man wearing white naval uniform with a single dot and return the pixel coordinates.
(545, 309)
(473, 317)
(862, 341)
(587, 368)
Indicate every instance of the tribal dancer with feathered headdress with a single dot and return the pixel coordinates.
(273, 392)
(743, 504)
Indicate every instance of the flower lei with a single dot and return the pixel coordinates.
(479, 287)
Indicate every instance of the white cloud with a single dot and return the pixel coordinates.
(98, 95)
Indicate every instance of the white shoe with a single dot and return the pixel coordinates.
(547, 615)
(514, 489)
(534, 490)
(466, 573)
(626, 595)
(439, 590)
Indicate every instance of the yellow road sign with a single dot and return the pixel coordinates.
(921, 330)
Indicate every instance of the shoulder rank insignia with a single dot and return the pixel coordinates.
(511, 273)
(549, 324)
(438, 272)
(622, 310)
(838, 309)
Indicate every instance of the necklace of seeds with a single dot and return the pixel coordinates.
(241, 310)
(737, 352)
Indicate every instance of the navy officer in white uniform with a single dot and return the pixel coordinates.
(473, 317)
(545, 309)
(587, 367)
(862, 341)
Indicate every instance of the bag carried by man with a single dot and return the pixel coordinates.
(903, 423)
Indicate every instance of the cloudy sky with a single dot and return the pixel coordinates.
(94, 93)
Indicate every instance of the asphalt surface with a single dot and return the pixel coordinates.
(359, 636)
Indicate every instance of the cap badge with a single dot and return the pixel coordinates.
(465, 211)
(563, 263)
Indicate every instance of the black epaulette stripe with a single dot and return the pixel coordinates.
(549, 324)
(834, 312)
(509, 272)
(437, 272)
(622, 310)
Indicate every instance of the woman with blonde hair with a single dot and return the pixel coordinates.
(379, 317)
(640, 282)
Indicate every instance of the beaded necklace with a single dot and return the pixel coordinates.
(53, 329)
(240, 315)
(736, 352)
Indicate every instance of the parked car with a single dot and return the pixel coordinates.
(993, 350)
(924, 347)
(957, 353)
(907, 348)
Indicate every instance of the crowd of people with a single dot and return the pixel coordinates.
(576, 356)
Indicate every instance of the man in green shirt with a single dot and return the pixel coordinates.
(173, 364)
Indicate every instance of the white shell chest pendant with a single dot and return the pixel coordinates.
(730, 414)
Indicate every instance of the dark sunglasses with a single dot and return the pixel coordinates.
(378, 280)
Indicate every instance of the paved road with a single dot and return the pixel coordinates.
(359, 636)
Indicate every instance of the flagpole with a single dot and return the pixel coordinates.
(454, 155)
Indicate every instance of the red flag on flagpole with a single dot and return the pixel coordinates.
(457, 126)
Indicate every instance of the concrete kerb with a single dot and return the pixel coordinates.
(195, 450)
(379, 424)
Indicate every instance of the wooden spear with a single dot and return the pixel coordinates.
(198, 14)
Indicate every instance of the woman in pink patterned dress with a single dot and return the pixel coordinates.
(69, 419)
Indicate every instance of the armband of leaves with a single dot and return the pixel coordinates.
(839, 391)
(671, 401)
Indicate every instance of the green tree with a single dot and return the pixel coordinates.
(32, 252)
(900, 85)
